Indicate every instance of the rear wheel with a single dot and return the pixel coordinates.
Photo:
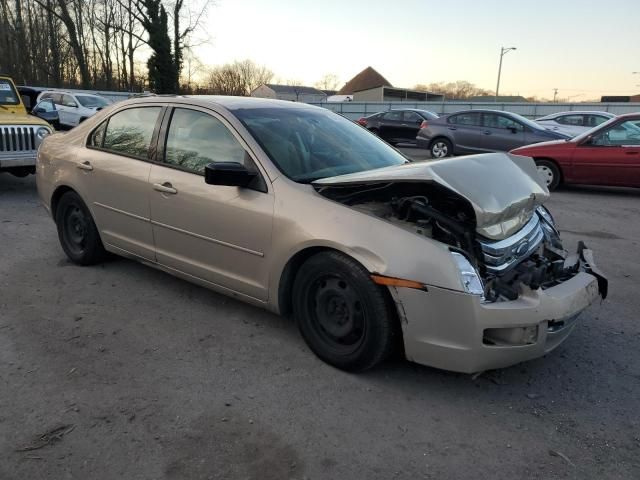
(77, 231)
(342, 315)
(441, 148)
(549, 173)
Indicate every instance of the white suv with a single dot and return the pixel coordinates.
(74, 108)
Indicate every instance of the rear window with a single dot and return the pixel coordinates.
(92, 101)
(8, 94)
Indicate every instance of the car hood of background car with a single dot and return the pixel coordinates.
(20, 119)
(503, 189)
(539, 145)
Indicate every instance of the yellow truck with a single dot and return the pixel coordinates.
(20, 133)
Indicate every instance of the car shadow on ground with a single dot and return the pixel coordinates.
(601, 190)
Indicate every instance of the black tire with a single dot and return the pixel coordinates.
(549, 172)
(22, 172)
(345, 318)
(441, 148)
(77, 231)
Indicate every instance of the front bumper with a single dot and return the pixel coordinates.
(18, 159)
(457, 331)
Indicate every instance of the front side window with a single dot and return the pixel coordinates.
(45, 106)
(129, 132)
(595, 120)
(573, 120)
(307, 144)
(196, 139)
(625, 133)
(8, 94)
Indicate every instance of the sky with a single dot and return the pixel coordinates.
(584, 48)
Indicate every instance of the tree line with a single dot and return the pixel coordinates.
(98, 44)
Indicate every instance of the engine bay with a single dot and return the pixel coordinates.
(533, 257)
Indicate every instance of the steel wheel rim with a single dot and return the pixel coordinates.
(546, 174)
(337, 314)
(75, 229)
(439, 150)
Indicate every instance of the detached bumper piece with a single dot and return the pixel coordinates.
(457, 331)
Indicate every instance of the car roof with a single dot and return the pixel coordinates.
(228, 102)
(577, 112)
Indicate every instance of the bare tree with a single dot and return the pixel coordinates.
(238, 78)
(328, 82)
(458, 90)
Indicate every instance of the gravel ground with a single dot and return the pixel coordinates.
(122, 371)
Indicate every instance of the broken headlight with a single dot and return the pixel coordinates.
(548, 225)
(469, 277)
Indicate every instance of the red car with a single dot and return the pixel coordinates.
(606, 155)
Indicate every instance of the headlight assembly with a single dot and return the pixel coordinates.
(549, 227)
(546, 215)
(471, 281)
(42, 132)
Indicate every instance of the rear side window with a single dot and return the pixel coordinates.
(129, 132)
(470, 118)
(393, 116)
(594, 120)
(412, 117)
(196, 139)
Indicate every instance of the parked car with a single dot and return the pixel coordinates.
(397, 126)
(475, 131)
(574, 123)
(606, 155)
(20, 133)
(296, 209)
(75, 108)
(45, 109)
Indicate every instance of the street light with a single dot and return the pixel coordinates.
(503, 52)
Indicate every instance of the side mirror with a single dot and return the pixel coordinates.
(232, 174)
(40, 110)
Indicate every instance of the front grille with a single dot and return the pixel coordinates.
(500, 256)
(17, 139)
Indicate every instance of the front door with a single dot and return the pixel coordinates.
(411, 122)
(610, 157)
(116, 179)
(390, 126)
(220, 234)
(501, 133)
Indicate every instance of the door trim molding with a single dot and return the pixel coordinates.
(117, 210)
(209, 239)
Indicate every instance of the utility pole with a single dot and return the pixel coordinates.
(503, 52)
(555, 94)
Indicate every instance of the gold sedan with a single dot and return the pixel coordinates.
(298, 210)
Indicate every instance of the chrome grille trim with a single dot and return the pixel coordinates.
(504, 254)
(18, 138)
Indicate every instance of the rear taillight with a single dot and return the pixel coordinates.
(424, 124)
(362, 121)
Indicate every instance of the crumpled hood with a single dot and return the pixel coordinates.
(502, 188)
(7, 118)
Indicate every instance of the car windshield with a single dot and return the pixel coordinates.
(527, 122)
(91, 101)
(308, 144)
(8, 95)
(583, 135)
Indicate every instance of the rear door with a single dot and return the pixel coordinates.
(612, 157)
(390, 125)
(466, 131)
(220, 234)
(116, 176)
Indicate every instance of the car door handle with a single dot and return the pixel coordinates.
(452, 128)
(165, 187)
(85, 166)
(487, 132)
(633, 152)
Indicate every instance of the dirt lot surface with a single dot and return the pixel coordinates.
(122, 371)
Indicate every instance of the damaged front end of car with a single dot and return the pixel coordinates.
(520, 290)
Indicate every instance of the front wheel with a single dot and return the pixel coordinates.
(77, 232)
(549, 173)
(343, 316)
(441, 148)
